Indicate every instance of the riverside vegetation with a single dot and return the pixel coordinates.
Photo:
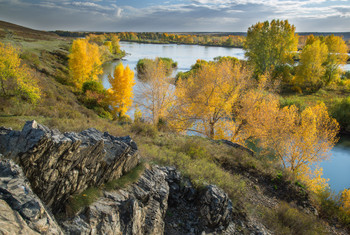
(242, 104)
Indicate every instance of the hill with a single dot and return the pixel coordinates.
(259, 196)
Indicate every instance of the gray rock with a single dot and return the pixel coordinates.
(22, 212)
(215, 207)
(59, 165)
(139, 209)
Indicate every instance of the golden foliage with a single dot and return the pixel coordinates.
(345, 200)
(156, 94)
(15, 78)
(84, 62)
(310, 69)
(205, 99)
(120, 92)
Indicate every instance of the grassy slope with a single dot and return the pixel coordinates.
(257, 187)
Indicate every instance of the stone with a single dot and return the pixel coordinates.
(60, 165)
(22, 212)
(138, 209)
(215, 207)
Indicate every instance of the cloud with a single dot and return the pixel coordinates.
(173, 15)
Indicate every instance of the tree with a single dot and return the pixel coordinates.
(15, 78)
(120, 92)
(84, 62)
(310, 70)
(337, 55)
(156, 94)
(269, 45)
(205, 100)
(301, 139)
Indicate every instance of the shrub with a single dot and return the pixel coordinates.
(289, 220)
(341, 112)
(144, 129)
(95, 86)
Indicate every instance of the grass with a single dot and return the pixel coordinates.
(288, 220)
(91, 194)
(127, 179)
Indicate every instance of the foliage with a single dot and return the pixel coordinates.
(15, 78)
(270, 44)
(310, 71)
(121, 90)
(96, 97)
(144, 129)
(156, 94)
(205, 99)
(341, 112)
(144, 65)
(84, 62)
(337, 56)
(95, 86)
(197, 39)
(345, 201)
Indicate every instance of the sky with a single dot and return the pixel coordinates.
(175, 15)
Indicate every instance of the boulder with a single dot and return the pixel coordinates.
(59, 165)
(22, 212)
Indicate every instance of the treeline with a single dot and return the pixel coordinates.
(207, 40)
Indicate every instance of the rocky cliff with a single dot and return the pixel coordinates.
(59, 165)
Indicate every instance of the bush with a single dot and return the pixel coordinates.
(94, 86)
(289, 220)
(144, 129)
(341, 112)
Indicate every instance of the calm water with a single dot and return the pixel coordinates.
(337, 169)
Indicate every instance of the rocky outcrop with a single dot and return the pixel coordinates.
(138, 209)
(59, 165)
(21, 211)
(161, 202)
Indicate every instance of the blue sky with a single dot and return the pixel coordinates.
(176, 15)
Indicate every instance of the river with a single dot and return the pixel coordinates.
(337, 169)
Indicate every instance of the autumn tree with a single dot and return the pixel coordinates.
(205, 99)
(120, 92)
(270, 44)
(156, 93)
(84, 62)
(310, 70)
(15, 77)
(337, 56)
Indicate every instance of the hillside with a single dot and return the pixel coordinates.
(88, 180)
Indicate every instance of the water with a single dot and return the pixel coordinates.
(337, 169)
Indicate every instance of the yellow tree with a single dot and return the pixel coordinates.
(84, 62)
(120, 92)
(15, 78)
(337, 56)
(206, 98)
(156, 93)
(310, 69)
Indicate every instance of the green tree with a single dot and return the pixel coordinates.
(270, 44)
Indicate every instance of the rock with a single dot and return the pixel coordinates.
(238, 146)
(138, 209)
(59, 165)
(22, 212)
(215, 207)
